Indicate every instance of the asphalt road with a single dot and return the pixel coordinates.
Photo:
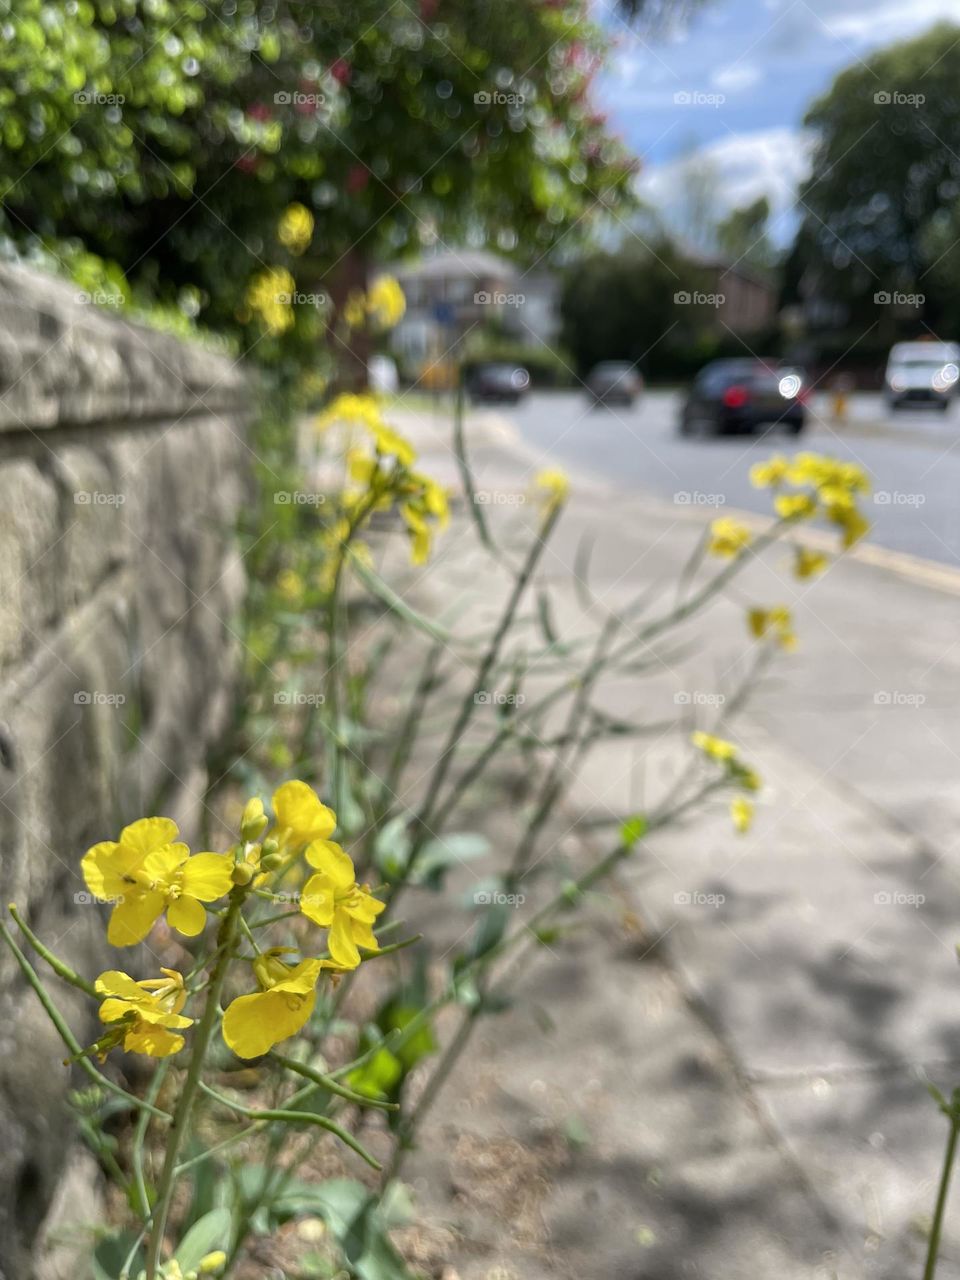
(912, 457)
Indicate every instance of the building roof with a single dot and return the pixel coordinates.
(455, 264)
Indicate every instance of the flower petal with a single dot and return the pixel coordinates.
(187, 916)
(208, 876)
(299, 812)
(162, 864)
(363, 935)
(104, 867)
(255, 1023)
(328, 857)
(365, 907)
(133, 918)
(317, 900)
(340, 941)
(154, 1041)
(147, 834)
(116, 983)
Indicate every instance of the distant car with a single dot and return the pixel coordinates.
(614, 381)
(498, 381)
(922, 373)
(731, 397)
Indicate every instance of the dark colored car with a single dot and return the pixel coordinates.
(614, 381)
(498, 381)
(732, 397)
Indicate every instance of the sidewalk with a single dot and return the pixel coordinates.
(753, 1015)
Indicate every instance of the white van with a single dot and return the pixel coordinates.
(922, 373)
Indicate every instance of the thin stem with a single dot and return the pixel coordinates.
(952, 1112)
(58, 966)
(327, 1082)
(192, 1082)
(77, 1052)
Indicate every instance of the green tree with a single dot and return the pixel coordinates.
(168, 138)
(885, 180)
(742, 235)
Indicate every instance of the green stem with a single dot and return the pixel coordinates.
(192, 1082)
(61, 969)
(77, 1053)
(294, 1117)
(952, 1112)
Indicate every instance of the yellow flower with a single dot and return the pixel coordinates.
(290, 585)
(716, 748)
(354, 309)
(769, 474)
(385, 302)
(741, 811)
(777, 622)
(334, 900)
(392, 442)
(212, 1261)
(295, 229)
(853, 523)
(148, 872)
(728, 537)
(356, 410)
(270, 294)
(555, 485)
(148, 1013)
(253, 1024)
(301, 816)
(808, 563)
(795, 506)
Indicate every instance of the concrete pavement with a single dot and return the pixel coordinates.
(757, 1053)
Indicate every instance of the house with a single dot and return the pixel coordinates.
(749, 300)
(454, 292)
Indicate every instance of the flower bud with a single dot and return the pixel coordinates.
(254, 821)
(268, 861)
(212, 1262)
(243, 873)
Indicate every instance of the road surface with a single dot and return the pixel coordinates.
(913, 459)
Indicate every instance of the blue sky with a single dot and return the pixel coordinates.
(750, 68)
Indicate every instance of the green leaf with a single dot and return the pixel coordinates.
(633, 829)
(438, 855)
(211, 1232)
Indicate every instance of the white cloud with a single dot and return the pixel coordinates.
(736, 77)
(737, 170)
(885, 22)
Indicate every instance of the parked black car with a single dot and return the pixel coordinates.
(737, 396)
(498, 381)
(614, 381)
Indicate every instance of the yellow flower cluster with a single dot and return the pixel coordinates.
(148, 872)
(295, 228)
(383, 305)
(385, 478)
(270, 295)
(736, 772)
(728, 537)
(554, 487)
(777, 623)
(827, 487)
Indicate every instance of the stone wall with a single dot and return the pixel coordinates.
(122, 467)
